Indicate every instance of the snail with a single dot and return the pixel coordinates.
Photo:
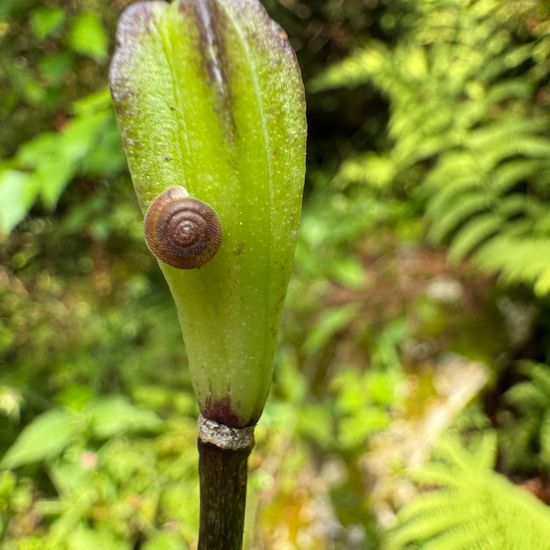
(182, 231)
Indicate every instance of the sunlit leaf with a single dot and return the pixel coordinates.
(45, 21)
(17, 193)
(87, 36)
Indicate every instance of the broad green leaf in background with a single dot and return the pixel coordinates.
(209, 96)
(18, 191)
(54, 67)
(45, 165)
(113, 415)
(88, 37)
(45, 21)
(329, 324)
(45, 437)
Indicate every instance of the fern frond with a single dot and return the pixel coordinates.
(355, 70)
(540, 375)
(505, 131)
(515, 88)
(526, 395)
(444, 199)
(445, 502)
(484, 454)
(370, 169)
(473, 234)
(434, 474)
(460, 538)
(510, 174)
(520, 260)
(526, 435)
(529, 146)
(454, 166)
(467, 205)
(430, 525)
(464, 127)
(512, 206)
(478, 509)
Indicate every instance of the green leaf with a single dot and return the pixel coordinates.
(44, 21)
(77, 141)
(331, 322)
(46, 164)
(54, 67)
(209, 96)
(88, 37)
(46, 437)
(165, 541)
(473, 234)
(17, 193)
(115, 415)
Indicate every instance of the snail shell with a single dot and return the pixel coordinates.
(181, 231)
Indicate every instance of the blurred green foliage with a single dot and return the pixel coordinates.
(429, 142)
(468, 132)
(525, 435)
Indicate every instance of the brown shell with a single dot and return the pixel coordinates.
(181, 231)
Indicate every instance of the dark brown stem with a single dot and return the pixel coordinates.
(223, 476)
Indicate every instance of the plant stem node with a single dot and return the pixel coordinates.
(224, 437)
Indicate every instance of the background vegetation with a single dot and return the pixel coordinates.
(411, 406)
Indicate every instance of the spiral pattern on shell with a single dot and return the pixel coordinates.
(182, 231)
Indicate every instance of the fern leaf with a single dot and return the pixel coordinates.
(512, 205)
(371, 169)
(473, 234)
(353, 71)
(519, 260)
(444, 199)
(428, 503)
(517, 88)
(454, 166)
(434, 474)
(506, 176)
(529, 146)
(504, 131)
(468, 205)
(540, 374)
(526, 440)
(461, 537)
(485, 453)
(428, 526)
(526, 394)
(479, 509)
(465, 131)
